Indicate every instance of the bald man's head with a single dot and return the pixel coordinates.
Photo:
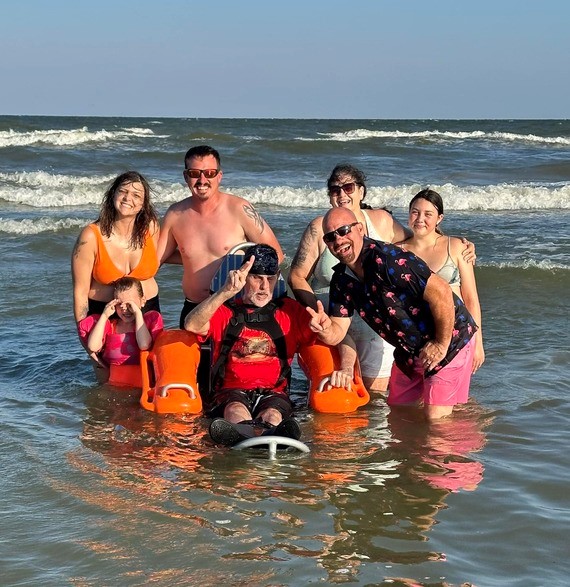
(343, 235)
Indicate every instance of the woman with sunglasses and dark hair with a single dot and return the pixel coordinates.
(122, 242)
(311, 272)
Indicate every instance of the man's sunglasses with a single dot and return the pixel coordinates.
(330, 237)
(347, 188)
(196, 173)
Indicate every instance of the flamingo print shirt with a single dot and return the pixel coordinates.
(390, 300)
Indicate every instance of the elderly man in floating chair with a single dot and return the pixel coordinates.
(255, 337)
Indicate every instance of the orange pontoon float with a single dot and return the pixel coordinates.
(318, 361)
(168, 373)
(125, 375)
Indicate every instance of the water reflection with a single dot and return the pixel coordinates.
(386, 519)
(364, 498)
(444, 450)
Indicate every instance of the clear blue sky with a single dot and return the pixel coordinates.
(265, 58)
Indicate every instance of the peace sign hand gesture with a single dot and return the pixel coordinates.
(319, 319)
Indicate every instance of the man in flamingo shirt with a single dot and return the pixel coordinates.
(402, 300)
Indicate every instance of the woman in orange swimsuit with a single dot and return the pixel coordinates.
(120, 243)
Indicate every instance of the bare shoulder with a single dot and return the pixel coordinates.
(237, 204)
(456, 250)
(381, 219)
(403, 243)
(86, 242)
(456, 245)
(245, 211)
(232, 200)
(154, 229)
(311, 244)
(316, 224)
(313, 231)
(380, 214)
(87, 235)
(174, 213)
(387, 227)
(178, 207)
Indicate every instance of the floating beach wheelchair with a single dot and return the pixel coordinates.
(168, 372)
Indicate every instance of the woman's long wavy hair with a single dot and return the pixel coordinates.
(145, 217)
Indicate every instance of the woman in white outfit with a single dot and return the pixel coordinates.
(311, 272)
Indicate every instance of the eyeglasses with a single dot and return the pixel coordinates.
(330, 237)
(347, 188)
(196, 173)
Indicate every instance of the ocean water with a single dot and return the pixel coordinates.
(96, 491)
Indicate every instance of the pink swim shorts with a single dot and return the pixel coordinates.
(447, 387)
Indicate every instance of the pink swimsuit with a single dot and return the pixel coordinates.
(120, 349)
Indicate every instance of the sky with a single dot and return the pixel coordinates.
(286, 59)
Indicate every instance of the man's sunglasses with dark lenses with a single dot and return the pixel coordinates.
(330, 237)
(347, 188)
(196, 173)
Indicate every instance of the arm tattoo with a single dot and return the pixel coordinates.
(313, 232)
(301, 255)
(253, 213)
(305, 246)
(83, 311)
(78, 244)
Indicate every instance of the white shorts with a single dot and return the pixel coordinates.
(374, 353)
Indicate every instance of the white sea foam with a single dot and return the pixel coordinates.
(29, 226)
(544, 264)
(70, 138)
(362, 134)
(492, 197)
(285, 196)
(40, 189)
(44, 190)
(495, 197)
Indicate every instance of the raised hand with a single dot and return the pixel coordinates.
(319, 319)
(109, 309)
(236, 278)
(133, 308)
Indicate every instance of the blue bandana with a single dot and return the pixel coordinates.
(266, 260)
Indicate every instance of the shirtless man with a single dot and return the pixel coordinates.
(206, 225)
